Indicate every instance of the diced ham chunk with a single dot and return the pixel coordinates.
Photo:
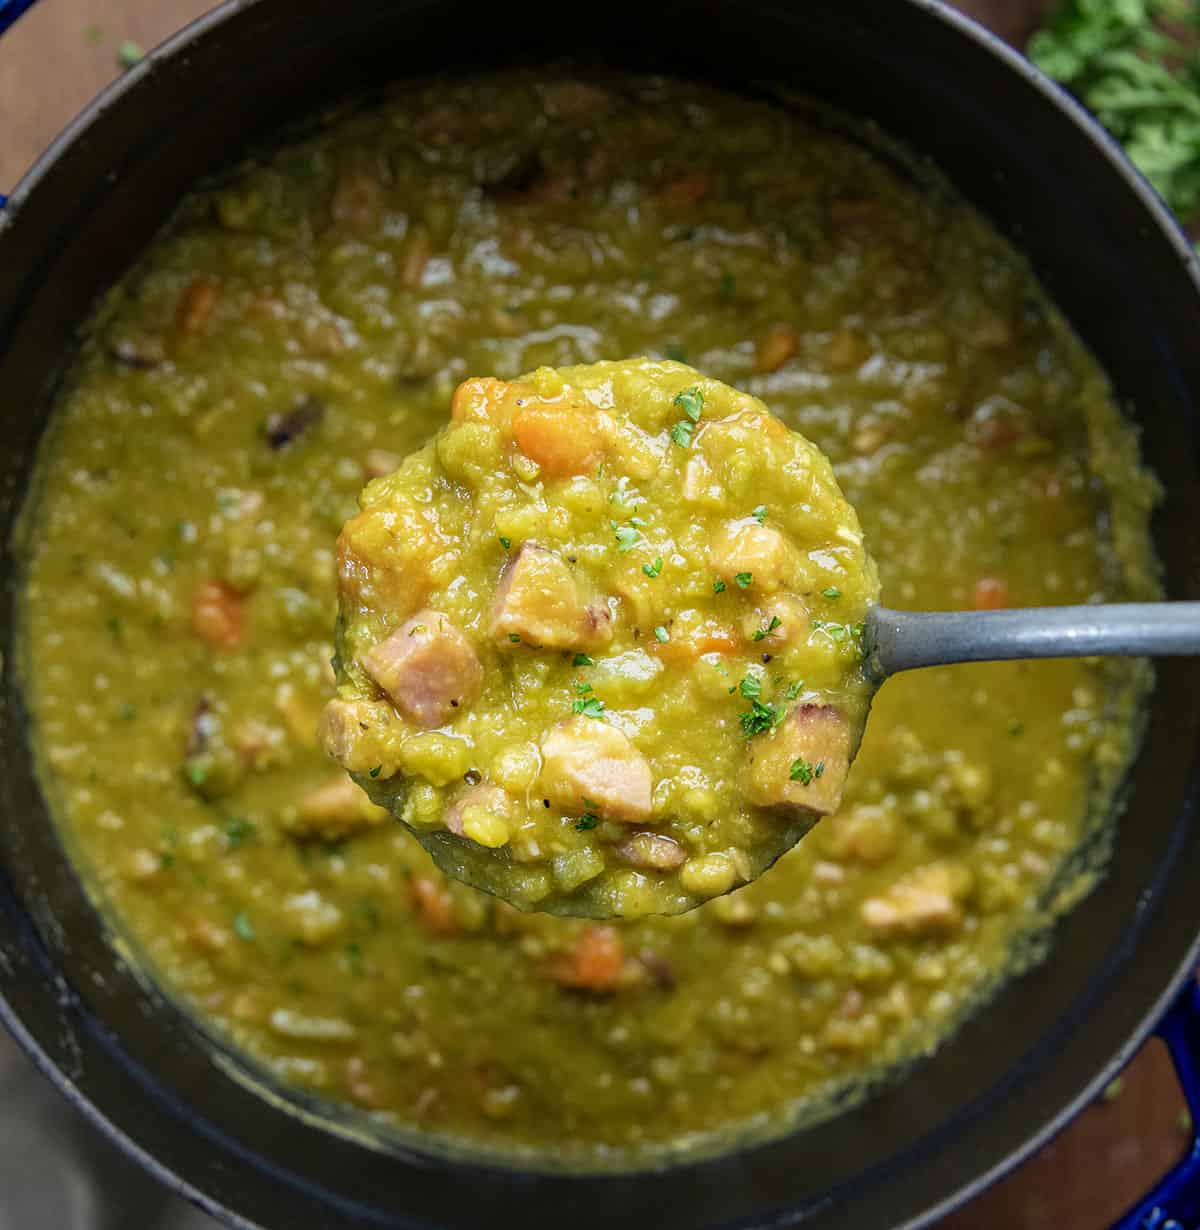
(354, 732)
(653, 851)
(802, 764)
(335, 809)
(427, 667)
(589, 765)
(538, 602)
(925, 901)
(745, 548)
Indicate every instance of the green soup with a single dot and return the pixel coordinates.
(301, 326)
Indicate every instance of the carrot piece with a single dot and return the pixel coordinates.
(217, 614)
(775, 347)
(991, 593)
(563, 439)
(686, 191)
(434, 907)
(196, 306)
(594, 963)
(710, 637)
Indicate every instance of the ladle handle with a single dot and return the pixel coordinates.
(902, 640)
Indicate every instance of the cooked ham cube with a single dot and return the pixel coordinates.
(539, 603)
(757, 554)
(802, 764)
(588, 765)
(927, 900)
(427, 668)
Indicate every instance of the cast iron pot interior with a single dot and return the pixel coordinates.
(1109, 255)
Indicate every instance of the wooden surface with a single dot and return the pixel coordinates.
(64, 51)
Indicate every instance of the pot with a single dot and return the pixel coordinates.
(1108, 252)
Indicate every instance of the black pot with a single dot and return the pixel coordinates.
(1109, 254)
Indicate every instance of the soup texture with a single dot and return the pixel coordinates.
(300, 327)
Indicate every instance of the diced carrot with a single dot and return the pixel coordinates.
(686, 191)
(563, 439)
(710, 637)
(196, 306)
(775, 347)
(217, 614)
(991, 593)
(433, 906)
(595, 963)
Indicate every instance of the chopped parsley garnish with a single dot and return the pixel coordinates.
(831, 592)
(681, 434)
(515, 637)
(776, 622)
(835, 632)
(128, 712)
(581, 659)
(582, 688)
(760, 513)
(652, 570)
(375, 772)
(590, 706)
(237, 830)
(588, 820)
(718, 587)
(243, 926)
(691, 402)
(743, 579)
(750, 687)
(760, 718)
(661, 635)
(728, 285)
(673, 350)
(626, 536)
(802, 771)
(505, 542)
(197, 773)
(794, 689)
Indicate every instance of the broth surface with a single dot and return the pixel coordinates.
(301, 326)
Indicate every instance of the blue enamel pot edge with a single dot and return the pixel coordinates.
(1115, 261)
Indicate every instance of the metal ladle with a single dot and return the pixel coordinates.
(902, 640)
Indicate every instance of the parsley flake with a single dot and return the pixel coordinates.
(591, 706)
(243, 926)
(681, 434)
(802, 771)
(626, 536)
(794, 689)
(375, 772)
(750, 687)
(581, 659)
(718, 587)
(588, 820)
(505, 542)
(743, 579)
(760, 718)
(691, 402)
(237, 829)
(652, 570)
(831, 593)
(760, 633)
(760, 513)
(661, 635)
(515, 637)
